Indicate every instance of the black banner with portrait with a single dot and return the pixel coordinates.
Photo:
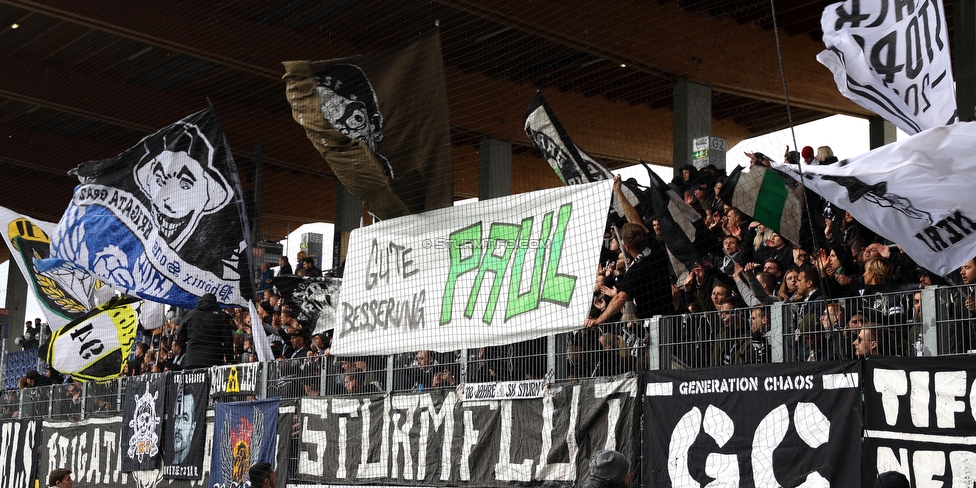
(186, 406)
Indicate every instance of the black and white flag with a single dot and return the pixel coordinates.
(19, 443)
(682, 228)
(892, 58)
(912, 192)
(571, 164)
(164, 220)
(313, 298)
(142, 414)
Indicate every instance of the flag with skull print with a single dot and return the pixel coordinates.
(164, 220)
(142, 409)
(381, 122)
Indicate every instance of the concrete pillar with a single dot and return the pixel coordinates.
(348, 214)
(16, 304)
(881, 132)
(964, 56)
(494, 168)
(692, 118)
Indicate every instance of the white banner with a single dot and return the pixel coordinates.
(916, 193)
(892, 58)
(502, 390)
(489, 273)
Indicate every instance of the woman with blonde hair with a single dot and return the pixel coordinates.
(826, 155)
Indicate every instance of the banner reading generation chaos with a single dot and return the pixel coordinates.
(792, 424)
(489, 273)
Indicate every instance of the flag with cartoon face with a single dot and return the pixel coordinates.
(164, 220)
(142, 413)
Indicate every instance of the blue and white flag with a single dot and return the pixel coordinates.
(164, 220)
(245, 434)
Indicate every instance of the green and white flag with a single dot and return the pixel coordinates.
(769, 197)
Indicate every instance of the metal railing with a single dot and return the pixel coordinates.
(928, 322)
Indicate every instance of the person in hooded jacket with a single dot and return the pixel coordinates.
(608, 469)
(208, 334)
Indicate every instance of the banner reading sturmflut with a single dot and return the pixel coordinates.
(164, 220)
(793, 424)
(488, 273)
(913, 192)
(434, 439)
(892, 58)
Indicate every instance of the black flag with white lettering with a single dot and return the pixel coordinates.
(919, 420)
(756, 425)
(19, 440)
(571, 164)
(682, 228)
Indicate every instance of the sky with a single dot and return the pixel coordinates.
(847, 136)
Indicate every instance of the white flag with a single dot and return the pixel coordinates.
(262, 346)
(892, 59)
(916, 193)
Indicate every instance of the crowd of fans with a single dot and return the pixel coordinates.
(849, 293)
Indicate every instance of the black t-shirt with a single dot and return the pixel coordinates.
(647, 282)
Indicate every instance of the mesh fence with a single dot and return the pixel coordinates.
(463, 152)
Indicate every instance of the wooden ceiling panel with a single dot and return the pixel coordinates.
(112, 71)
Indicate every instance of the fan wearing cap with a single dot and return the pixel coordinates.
(608, 469)
(808, 156)
(301, 340)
